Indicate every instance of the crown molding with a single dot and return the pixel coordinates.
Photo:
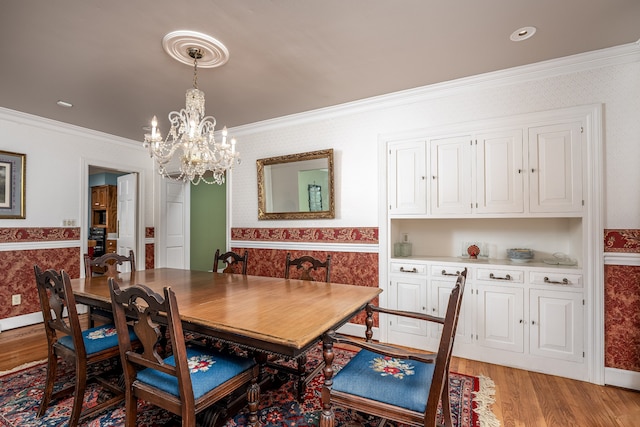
(55, 126)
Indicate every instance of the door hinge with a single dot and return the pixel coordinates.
(583, 354)
(581, 129)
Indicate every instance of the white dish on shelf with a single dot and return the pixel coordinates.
(520, 260)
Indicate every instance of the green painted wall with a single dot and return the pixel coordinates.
(208, 223)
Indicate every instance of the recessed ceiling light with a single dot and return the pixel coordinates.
(522, 34)
(64, 104)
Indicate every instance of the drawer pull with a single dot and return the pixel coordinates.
(444, 273)
(492, 276)
(564, 281)
(413, 270)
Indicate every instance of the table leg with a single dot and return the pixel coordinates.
(327, 417)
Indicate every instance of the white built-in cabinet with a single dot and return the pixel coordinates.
(527, 317)
(519, 178)
(515, 171)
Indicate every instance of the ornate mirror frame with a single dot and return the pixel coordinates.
(264, 189)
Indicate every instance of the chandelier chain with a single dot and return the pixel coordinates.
(195, 71)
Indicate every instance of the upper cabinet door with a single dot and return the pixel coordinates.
(555, 168)
(450, 175)
(407, 177)
(499, 172)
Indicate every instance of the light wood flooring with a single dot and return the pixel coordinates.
(522, 398)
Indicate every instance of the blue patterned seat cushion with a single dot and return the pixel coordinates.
(208, 370)
(403, 383)
(97, 339)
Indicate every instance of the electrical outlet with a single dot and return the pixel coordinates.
(16, 299)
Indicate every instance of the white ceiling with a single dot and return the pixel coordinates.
(286, 56)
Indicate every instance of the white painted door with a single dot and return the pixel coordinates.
(174, 225)
(501, 317)
(407, 179)
(499, 172)
(556, 324)
(555, 168)
(127, 214)
(450, 175)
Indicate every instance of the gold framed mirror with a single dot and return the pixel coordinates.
(296, 186)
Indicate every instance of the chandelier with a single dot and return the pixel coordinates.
(191, 140)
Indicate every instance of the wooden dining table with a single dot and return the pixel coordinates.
(273, 315)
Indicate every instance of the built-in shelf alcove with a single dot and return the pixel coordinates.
(446, 237)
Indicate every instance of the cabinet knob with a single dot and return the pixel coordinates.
(532, 170)
(533, 322)
(433, 177)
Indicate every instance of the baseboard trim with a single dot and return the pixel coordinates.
(622, 378)
(29, 319)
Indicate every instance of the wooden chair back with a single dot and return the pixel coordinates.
(66, 341)
(59, 308)
(436, 391)
(143, 308)
(231, 260)
(107, 264)
(308, 264)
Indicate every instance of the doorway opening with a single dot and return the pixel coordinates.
(111, 221)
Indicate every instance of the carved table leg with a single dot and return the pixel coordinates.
(327, 417)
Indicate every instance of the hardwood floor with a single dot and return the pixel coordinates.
(522, 398)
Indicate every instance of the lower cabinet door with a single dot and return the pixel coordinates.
(439, 292)
(408, 294)
(501, 320)
(556, 324)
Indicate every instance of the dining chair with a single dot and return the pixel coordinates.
(395, 383)
(75, 347)
(231, 261)
(307, 264)
(191, 379)
(106, 264)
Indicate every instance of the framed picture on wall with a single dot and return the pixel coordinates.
(12, 185)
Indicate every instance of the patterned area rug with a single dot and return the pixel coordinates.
(21, 392)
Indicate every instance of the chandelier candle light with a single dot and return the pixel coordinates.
(191, 139)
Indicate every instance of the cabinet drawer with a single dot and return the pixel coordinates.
(556, 279)
(408, 268)
(442, 271)
(502, 276)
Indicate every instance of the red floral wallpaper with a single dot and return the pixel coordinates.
(18, 278)
(317, 234)
(622, 320)
(622, 303)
